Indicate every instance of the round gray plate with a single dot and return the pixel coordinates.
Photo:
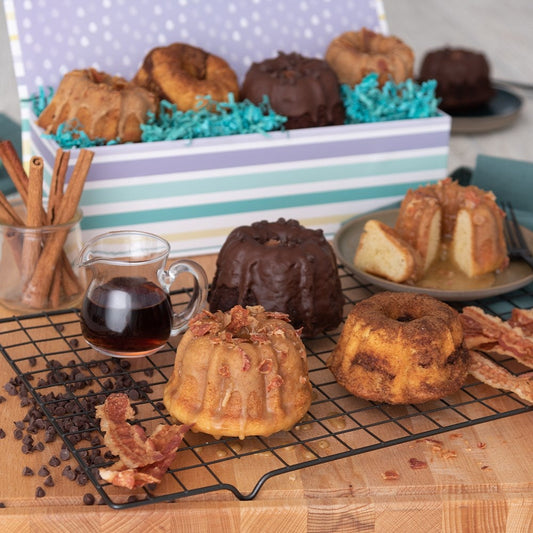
(345, 242)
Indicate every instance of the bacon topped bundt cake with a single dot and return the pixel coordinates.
(239, 373)
(105, 107)
(355, 54)
(401, 348)
(284, 267)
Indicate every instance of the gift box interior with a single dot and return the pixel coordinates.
(194, 192)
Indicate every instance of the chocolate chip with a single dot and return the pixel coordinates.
(27, 471)
(2, 399)
(18, 434)
(11, 389)
(54, 461)
(88, 499)
(69, 473)
(43, 471)
(48, 482)
(39, 492)
(82, 479)
(74, 343)
(2, 505)
(32, 361)
(2, 434)
(60, 328)
(64, 454)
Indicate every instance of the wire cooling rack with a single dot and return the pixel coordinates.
(67, 379)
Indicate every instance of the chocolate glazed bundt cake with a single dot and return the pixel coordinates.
(284, 267)
(303, 89)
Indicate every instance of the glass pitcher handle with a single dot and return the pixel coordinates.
(199, 292)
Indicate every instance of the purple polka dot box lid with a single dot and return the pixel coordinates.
(56, 36)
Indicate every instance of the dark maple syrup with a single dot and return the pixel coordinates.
(127, 316)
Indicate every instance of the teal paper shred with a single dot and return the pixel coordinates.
(70, 135)
(366, 102)
(40, 100)
(211, 119)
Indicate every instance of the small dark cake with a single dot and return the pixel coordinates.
(463, 77)
(283, 267)
(305, 90)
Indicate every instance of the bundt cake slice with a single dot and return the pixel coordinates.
(381, 251)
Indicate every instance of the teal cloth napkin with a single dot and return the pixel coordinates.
(510, 180)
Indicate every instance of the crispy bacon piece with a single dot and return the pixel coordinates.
(491, 334)
(142, 459)
(523, 319)
(492, 374)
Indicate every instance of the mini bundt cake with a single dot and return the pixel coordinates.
(284, 267)
(303, 89)
(463, 222)
(184, 74)
(355, 54)
(105, 107)
(382, 252)
(239, 373)
(400, 348)
(463, 77)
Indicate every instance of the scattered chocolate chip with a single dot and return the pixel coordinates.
(39, 446)
(69, 473)
(2, 505)
(39, 492)
(54, 461)
(64, 454)
(48, 482)
(2, 399)
(82, 479)
(60, 328)
(11, 389)
(18, 434)
(2, 434)
(74, 343)
(27, 471)
(32, 361)
(43, 471)
(88, 499)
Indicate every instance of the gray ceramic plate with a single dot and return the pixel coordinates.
(501, 111)
(517, 275)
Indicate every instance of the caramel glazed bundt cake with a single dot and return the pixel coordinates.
(303, 89)
(401, 348)
(284, 267)
(104, 106)
(239, 373)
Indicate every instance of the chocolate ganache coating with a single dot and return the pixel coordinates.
(305, 90)
(284, 267)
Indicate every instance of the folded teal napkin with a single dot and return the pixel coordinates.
(510, 180)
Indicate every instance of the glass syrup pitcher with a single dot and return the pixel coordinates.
(126, 310)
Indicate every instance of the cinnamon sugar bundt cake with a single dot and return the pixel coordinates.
(181, 74)
(400, 348)
(464, 222)
(463, 77)
(239, 373)
(355, 54)
(303, 89)
(283, 267)
(105, 107)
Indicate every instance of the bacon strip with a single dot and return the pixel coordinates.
(142, 459)
(496, 376)
(491, 334)
(523, 319)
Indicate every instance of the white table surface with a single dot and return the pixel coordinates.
(502, 30)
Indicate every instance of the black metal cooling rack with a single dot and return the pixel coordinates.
(67, 379)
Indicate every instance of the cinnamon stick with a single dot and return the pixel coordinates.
(57, 183)
(31, 247)
(37, 290)
(14, 168)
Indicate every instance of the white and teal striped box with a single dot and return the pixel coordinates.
(194, 193)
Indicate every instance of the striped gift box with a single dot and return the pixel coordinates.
(194, 193)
